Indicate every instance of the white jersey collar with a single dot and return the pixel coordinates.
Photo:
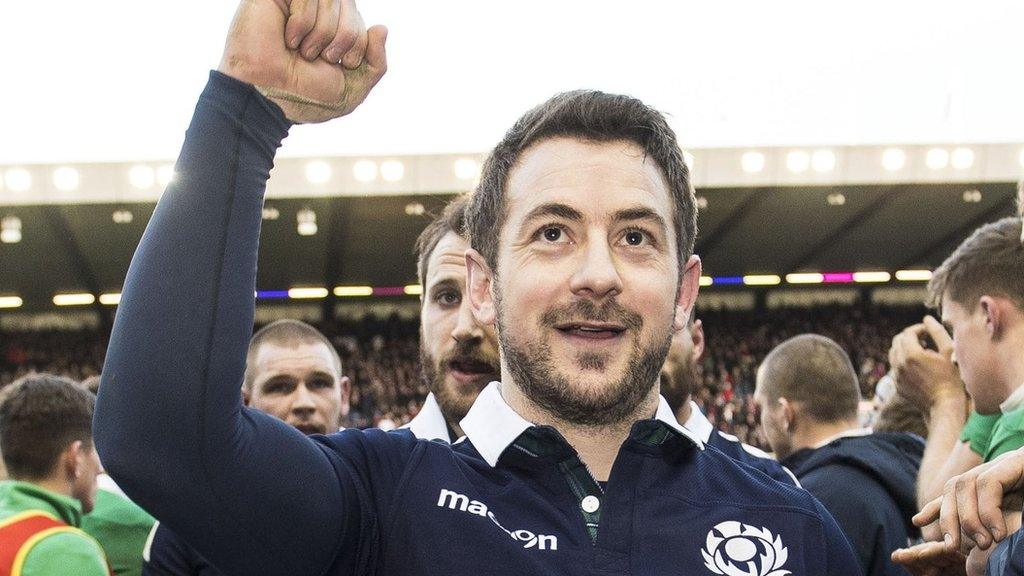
(699, 424)
(1016, 400)
(492, 425)
(430, 424)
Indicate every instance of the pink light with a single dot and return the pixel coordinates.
(838, 277)
(389, 291)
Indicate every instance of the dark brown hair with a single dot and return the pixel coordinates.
(989, 262)
(592, 116)
(452, 219)
(40, 416)
(814, 371)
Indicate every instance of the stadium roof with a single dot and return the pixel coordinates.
(365, 241)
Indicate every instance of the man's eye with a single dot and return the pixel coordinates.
(448, 298)
(636, 238)
(552, 234)
(321, 383)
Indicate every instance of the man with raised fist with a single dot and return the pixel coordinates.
(581, 236)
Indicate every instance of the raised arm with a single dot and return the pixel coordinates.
(248, 491)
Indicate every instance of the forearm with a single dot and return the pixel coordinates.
(944, 457)
(170, 426)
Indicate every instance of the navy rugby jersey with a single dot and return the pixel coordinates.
(256, 496)
(731, 446)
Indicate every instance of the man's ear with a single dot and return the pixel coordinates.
(479, 288)
(995, 315)
(73, 460)
(788, 413)
(697, 334)
(687, 292)
(346, 393)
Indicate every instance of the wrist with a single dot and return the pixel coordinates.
(949, 400)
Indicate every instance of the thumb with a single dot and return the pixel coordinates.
(939, 335)
(376, 56)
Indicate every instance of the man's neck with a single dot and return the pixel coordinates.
(814, 436)
(55, 485)
(684, 411)
(597, 446)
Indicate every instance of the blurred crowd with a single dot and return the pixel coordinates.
(381, 356)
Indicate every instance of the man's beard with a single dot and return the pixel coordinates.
(454, 403)
(532, 369)
(679, 382)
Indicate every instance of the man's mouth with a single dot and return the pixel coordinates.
(309, 428)
(469, 370)
(591, 330)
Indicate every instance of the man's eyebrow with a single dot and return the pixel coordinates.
(640, 213)
(555, 209)
(444, 284)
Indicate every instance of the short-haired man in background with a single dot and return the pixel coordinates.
(808, 393)
(292, 373)
(681, 378)
(46, 442)
(458, 355)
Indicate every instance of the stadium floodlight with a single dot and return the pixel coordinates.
(702, 202)
(271, 213)
(165, 174)
(706, 280)
(307, 293)
(318, 172)
(972, 196)
(414, 290)
(306, 222)
(18, 179)
(74, 299)
(805, 278)
(466, 169)
(392, 170)
(823, 160)
(10, 302)
(752, 162)
(110, 299)
(798, 161)
(913, 275)
(10, 230)
(365, 170)
(962, 158)
(345, 291)
(414, 209)
(893, 159)
(871, 277)
(142, 177)
(65, 178)
(122, 216)
(761, 280)
(836, 199)
(937, 159)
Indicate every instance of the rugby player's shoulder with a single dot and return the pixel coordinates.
(744, 482)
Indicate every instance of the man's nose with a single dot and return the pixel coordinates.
(597, 275)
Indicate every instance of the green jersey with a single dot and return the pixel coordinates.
(62, 552)
(122, 528)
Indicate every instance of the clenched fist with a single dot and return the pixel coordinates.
(313, 58)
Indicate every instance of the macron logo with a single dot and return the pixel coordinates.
(462, 503)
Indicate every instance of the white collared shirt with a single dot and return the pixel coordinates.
(1016, 400)
(430, 424)
(492, 425)
(851, 433)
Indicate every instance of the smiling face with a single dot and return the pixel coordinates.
(300, 385)
(587, 287)
(459, 356)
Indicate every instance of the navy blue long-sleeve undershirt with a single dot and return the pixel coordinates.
(170, 425)
(255, 496)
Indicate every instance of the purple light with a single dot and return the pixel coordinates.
(271, 294)
(727, 280)
(838, 277)
(389, 291)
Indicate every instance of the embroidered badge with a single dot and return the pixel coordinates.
(735, 549)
